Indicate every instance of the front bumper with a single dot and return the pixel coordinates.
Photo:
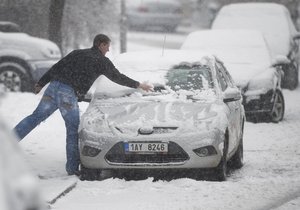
(182, 156)
(259, 104)
(40, 67)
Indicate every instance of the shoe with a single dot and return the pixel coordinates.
(76, 173)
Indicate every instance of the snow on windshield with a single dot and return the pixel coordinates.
(164, 73)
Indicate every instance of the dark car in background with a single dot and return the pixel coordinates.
(153, 15)
(247, 58)
(6, 26)
(24, 58)
(274, 21)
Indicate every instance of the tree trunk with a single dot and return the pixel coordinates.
(123, 28)
(55, 21)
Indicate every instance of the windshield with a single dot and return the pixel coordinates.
(190, 77)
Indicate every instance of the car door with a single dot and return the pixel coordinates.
(233, 106)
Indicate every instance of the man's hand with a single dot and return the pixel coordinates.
(146, 87)
(37, 88)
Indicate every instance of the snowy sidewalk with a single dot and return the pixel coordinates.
(291, 205)
(54, 188)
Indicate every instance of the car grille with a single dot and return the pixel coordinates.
(175, 154)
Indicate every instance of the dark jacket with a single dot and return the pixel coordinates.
(81, 68)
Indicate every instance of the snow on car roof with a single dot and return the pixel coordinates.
(269, 18)
(158, 59)
(249, 45)
(244, 52)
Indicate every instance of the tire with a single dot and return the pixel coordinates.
(237, 160)
(14, 79)
(221, 171)
(89, 174)
(290, 79)
(277, 113)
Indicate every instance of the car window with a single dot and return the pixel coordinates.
(226, 74)
(222, 79)
(190, 77)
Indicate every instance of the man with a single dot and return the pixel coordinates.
(70, 79)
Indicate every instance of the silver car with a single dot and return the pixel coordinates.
(191, 122)
(24, 58)
(247, 58)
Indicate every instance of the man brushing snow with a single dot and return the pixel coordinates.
(70, 79)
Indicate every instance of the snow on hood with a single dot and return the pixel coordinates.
(125, 116)
(269, 18)
(110, 112)
(37, 46)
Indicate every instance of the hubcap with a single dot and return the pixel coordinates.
(278, 107)
(11, 80)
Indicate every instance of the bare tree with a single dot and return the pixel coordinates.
(55, 21)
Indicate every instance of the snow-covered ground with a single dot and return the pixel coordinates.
(269, 178)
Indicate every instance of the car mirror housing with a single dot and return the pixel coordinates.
(280, 60)
(231, 94)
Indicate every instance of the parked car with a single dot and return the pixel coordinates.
(19, 189)
(24, 58)
(192, 121)
(274, 21)
(153, 15)
(6, 26)
(247, 58)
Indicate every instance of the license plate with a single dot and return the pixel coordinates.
(141, 147)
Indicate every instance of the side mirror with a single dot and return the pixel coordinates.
(231, 94)
(280, 59)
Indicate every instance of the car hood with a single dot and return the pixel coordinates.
(148, 116)
(36, 48)
(243, 73)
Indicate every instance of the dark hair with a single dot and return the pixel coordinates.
(100, 38)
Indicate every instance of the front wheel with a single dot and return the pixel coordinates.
(14, 79)
(89, 174)
(277, 112)
(237, 160)
(221, 170)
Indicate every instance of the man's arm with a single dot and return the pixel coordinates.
(114, 75)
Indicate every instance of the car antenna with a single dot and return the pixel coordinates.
(163, 49)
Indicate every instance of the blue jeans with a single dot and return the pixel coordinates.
(57, 96)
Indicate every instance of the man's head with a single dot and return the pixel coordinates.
(102, 42)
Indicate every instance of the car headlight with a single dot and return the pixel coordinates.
(97, 125)
(205, 120)
(51, 52)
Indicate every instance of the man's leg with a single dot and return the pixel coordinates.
(45, 108)
(69, 109)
